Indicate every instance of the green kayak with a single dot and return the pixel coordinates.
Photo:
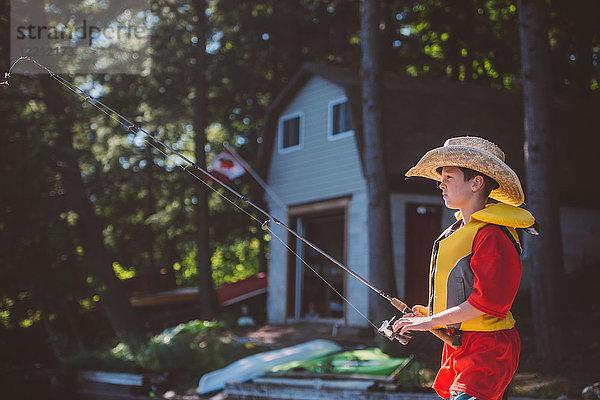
(364, 362)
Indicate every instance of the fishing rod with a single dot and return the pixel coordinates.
(385, 329)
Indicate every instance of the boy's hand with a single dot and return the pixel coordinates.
(457, 314)
(410, 322)
(420, 311)
(417, 311)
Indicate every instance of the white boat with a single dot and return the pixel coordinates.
(258, 364)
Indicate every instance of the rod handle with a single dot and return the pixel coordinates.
(401, 306)
(453, 341)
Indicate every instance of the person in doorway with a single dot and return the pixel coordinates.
(312, 311)
(475, 268)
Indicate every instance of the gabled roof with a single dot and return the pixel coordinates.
(344, 77)
(420, 114)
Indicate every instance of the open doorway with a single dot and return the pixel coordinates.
(422, 228)
(309, 297)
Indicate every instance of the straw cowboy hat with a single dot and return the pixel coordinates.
(479, 155)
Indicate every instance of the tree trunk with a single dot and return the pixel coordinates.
(208, 298)
(381, 269)
(584, 23)
(542, 192)
(88, 228)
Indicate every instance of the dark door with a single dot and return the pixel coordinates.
(422, 228)
(319, 300)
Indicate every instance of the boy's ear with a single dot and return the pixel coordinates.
(478, 183)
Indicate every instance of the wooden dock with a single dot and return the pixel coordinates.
(304, 386)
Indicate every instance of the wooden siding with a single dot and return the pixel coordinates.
(322, 168)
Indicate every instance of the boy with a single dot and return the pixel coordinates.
(475, 268)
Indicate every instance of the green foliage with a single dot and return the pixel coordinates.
(230, 262)
(186, 271)
(121, 272)
(193, 348)
(235, 261)
(187, 350)
(99, 360)
(454, 40)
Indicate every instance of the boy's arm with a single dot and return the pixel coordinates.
(460, 313)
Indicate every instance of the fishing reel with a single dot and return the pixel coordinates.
(387, 330)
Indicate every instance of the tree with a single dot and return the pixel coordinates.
(88, 228)
(468, 41)
(542, 191)
(208, 298)
(381, 268)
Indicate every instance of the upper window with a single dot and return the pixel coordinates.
(340, 122)
(290, 132)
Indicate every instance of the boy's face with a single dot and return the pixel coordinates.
(456, 192)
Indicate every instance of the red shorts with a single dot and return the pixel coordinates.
(482, 366)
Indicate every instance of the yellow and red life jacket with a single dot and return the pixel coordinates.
(451, 278)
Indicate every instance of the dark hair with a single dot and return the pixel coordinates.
(489, 184)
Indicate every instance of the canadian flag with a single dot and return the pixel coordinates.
(226, 167)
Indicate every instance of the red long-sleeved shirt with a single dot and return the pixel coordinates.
(497, 269)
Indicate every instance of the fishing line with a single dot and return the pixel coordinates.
(135, 129)
(185, 168)
(264, 226)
